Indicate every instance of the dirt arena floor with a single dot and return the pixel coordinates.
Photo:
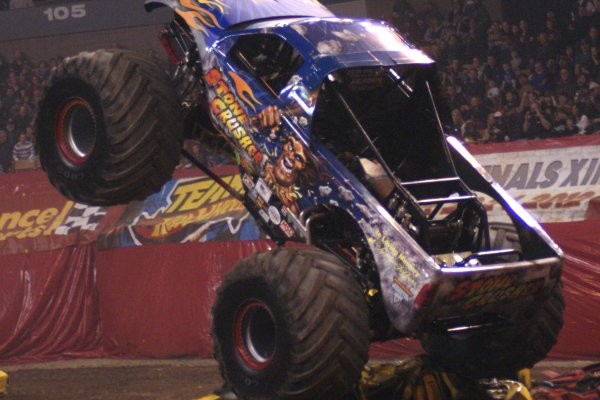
(103, 379)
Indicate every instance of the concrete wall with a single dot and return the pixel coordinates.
(141, 39)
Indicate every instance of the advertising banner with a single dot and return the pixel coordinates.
(36, 217)
(190, 208)
(555, 180)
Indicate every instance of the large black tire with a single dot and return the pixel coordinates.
(109, 127)
(501, 352)
(291, 324)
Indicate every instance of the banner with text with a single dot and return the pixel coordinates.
(189, 208)
(557, 180)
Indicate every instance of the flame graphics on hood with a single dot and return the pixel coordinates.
(200, 14)
(244, 91)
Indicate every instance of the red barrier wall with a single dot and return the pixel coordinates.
(49, 305)
(155, 301)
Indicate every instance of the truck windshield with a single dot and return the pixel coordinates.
(340, 36)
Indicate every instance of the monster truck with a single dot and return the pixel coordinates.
(335, 126)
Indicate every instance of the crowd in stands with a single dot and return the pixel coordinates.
(508, 80)
(503, 80)
(20, 91)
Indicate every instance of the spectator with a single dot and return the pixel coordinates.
(434, 31)
(567, 59)
(18, 61)
(9, 99)
(539, 77)
(583, 57)
(580, 120)
(453, 74)
(523, 84)
(544, 48)
(497, 42)
(457, 125)
(565, 84)
(593, 67)
(508, 77)
(588, 8)
(476, 10)
(562, 125)
(493, 99)
(6, 160)
(470, 133)
(455, 15)
(456, 100)
(23, 149)
(515, 60)
(475, 39)
(3, 112)
(476, 64)
(536, 125)
(512, 118)
(30, 134)
(3, 68)
(401, 8)
(554, 35)
(430, 10)
(491, 70)
(592, 107)
(11, 131)
(525, 40)
(194, 148)
(581, 88)
(453, 51)
(472, 85)
(496, 128)
(594, 36)
(477, 113)
(563, 103)
(22, 119)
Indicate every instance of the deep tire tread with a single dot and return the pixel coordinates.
(327, 319)
(502, 354)
(143, 127)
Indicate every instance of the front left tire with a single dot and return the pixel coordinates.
(109, 127)
(291, 324)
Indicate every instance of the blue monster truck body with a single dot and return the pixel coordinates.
(308, 52)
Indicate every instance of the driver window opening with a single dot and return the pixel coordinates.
(269, 58)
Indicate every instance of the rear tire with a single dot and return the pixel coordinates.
(291, 324)
(108, 128)
(502, 352)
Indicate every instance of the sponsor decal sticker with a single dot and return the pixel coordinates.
(263, 190)
(287, 229)
(480, 292)
(274, 215)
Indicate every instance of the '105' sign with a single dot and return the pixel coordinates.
(61, 13)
